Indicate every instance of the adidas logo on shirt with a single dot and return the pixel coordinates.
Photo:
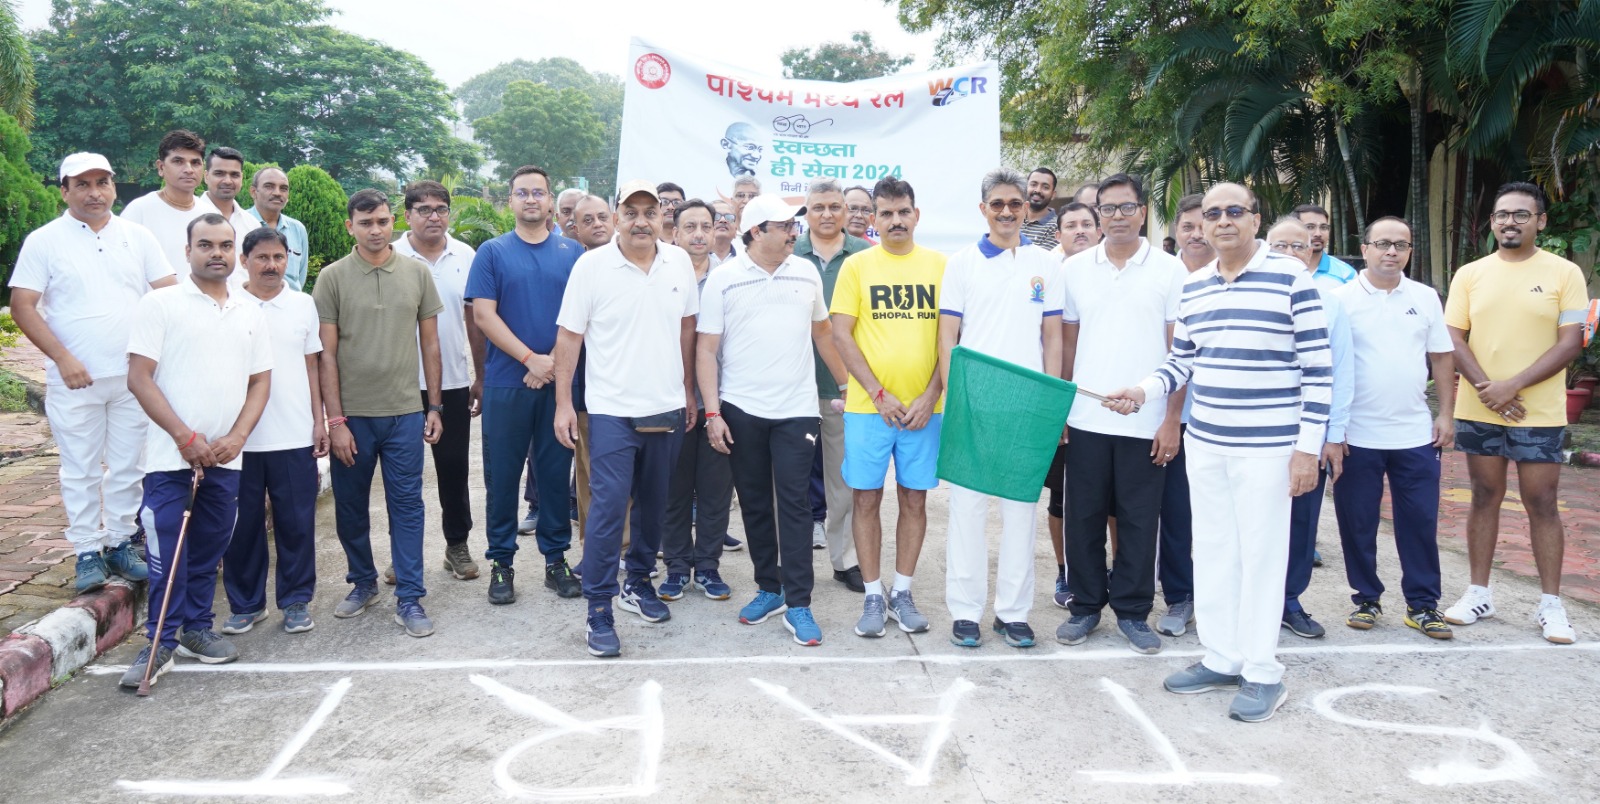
(1536, 289)
(1412, 311)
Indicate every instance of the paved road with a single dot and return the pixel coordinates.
(503, 702)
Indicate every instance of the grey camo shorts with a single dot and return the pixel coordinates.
(1520, 444)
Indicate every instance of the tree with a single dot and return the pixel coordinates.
(482, 95)
(555, 129)
(856, 60)
(268, 77)
(318, 201)
(25, 202)
(16, 67)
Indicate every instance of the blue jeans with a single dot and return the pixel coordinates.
(514, 418)
(624, 462)
(216, 506)
(396, 442)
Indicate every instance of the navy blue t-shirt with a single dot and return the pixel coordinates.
(526, 282)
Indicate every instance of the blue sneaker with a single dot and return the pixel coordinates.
(804, 627)
(297, 618)
(731, 544)
(601, 631)
(1063, 595)
(242, 623)
(1017, 635)
(409, 614)
(711, 583)
(640, 598)
(765, 605)
(124, 560)
(91, 572)
(672, 587)
(965, 634)
(360, 597)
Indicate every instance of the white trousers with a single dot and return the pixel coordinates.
(1241, 554)
(841, 500)
(99, 432)
(966, 574)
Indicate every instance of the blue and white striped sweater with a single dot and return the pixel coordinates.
(1256, 357)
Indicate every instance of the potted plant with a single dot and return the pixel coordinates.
(1583, 375)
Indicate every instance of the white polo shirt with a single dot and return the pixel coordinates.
(204, 357)
(631, 322)
(1122, 317)
(293, 328)
(1002, 297)
(169, 224)
(765, 320)
(450, 278)
(1392, 333)
(89, 282)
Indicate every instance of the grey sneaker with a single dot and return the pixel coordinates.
(1139, 635)
(458, 559)
(388, 575)
(1077, 629)
(871, 622)
(242, 623)
(529, 524)
(1175, 623)
(409, 613)
(297, 618)
(356, 602)
(1256, 702)
(903, 610)
(1197, 678)
(208, 646)
(135, 672)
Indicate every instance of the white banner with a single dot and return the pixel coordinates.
(702, 124)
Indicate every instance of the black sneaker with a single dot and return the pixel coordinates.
(1300, 624)
(502, 589)
(1365, 616)
(558, 576)
(1018, 635)
(965, 634)
(851, 578)
(640, 598)
(1430, 622)
(135, 673)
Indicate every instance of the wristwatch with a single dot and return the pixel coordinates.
(436, 408)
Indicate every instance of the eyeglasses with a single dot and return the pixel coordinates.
(1399, 246)
(431, 212)
(744, 196)
(1234, 212)
(1015, 205)
(671, 202)
(791, 226)
(1283, 246)
(859, 210)
(1519, 216)
(524, 195)
(723, 217)
(1127, 210)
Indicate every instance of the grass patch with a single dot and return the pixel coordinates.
(13, 393)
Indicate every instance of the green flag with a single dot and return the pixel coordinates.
(1002, 423)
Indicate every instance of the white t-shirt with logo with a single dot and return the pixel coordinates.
(1002, 297)
(1392, 333)
(765, 320)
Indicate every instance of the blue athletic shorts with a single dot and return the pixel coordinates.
(869, 443)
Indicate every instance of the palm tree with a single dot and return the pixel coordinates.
(16, 67)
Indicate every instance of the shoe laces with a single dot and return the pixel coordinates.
(711, 576)
(203, 639)
(765, 598)
(294, 610)
(1138, 625)
(410, 609)
(801, 617)
(601, 616)
(642, 588)
(501, 573)
(873, 605)
(361, 592)
(904, 602)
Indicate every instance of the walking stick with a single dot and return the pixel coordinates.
(172, 573)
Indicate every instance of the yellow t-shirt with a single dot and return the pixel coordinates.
(1511, 311)
(895, 301)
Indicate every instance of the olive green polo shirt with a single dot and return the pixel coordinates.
(376, 308)
(826, 387)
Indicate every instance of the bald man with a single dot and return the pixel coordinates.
(743, 144)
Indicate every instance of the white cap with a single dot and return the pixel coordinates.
(768, 207)
(80, 163)
(634, 187)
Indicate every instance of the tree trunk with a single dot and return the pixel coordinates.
(1465, 218)
(1356, 209)
(1421, 265)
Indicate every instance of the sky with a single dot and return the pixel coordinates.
(461, 38)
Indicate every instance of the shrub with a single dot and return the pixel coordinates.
(25, 202)
(318, 201)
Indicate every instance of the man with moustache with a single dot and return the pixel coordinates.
(1325, 265)
(1001, 297)
(1078, 229)
(74, 299)
(858, 212)
(1399, 337)
(369, 392)
(280, 456)
(461, 346)
(763, 316)
(180, 164)
(270, 189)
(566, 207)
(1516, 317)
(1122, 301)
(200, 363)
(1040, 227)
(515, 287)
(826, 246)
(1255, 434)
(891, 348)
(701, 487)
(1174, 559)
(632, 305)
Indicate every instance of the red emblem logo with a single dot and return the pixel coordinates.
(652, 70)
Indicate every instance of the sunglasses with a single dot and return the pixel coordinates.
(1234, 212)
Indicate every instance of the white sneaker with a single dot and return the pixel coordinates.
(1552, 617)
(1475, 604)
(819, 536)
